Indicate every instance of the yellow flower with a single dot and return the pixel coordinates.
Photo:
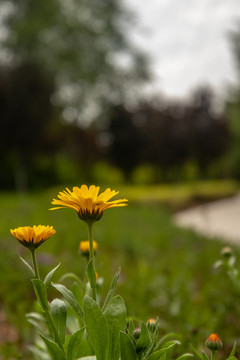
(86, 201)
(32, 237)
(84, 247)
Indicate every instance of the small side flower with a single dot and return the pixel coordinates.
(33, 237)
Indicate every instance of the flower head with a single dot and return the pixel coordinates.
(32, 237)
(214, 342)
(84, 247)
(87, 202)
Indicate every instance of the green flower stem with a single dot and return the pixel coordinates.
(35, 265)
(90, 238)
(213, 355)
(47, 313)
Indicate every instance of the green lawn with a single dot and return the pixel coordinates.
(166, 271)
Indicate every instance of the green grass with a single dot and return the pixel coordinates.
(166, 271)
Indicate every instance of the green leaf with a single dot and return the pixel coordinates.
(184, 356)
(27, 265)
(196, 352)
(127, 349)
(49, 276)
(131, 326)
(78, 293)
(97, 328)
(74, 344)
(204, 356)
(144, 339)
(41, 293)
(91, 274)
(69, 296)
(112, 289)
(35, 316)
(39, 354)
(54, 350)
(159, 353)
(88, 358)
(233, 350)
(115, 314)
(71, 275)
(36, 320)
(166, 337)
(232, 358)
(58, 310)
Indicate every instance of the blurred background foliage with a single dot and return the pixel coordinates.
(71, 95)
(72, 111)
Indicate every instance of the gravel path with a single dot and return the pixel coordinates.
(218, 219)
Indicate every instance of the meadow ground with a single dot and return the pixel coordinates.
(166, 271)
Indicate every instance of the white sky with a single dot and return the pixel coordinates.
(187, 41)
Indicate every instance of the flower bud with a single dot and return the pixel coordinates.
(136, 333)
(151, 323)
(214, 342)
(226, 252)
(84, 247)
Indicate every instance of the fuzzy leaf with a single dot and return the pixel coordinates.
(49, 276)
(159, 353)
(144, 339)
(27, 265)
(74, 344)
(196, 352)
(55, 352)
(112, 289)
(184, 356)
(127, 349)
(115, 314)
(69, 296)
(41, 293)
(233, 350)
(58, 310)
(97, 328)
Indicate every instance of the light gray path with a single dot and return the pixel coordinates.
(220, 218)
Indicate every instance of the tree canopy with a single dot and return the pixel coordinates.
(83, 45)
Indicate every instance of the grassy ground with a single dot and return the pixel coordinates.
(166, 271)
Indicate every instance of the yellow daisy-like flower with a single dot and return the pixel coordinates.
(87, 202)
(84, 247)
(33, 237)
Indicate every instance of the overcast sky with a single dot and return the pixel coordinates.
(187, 41)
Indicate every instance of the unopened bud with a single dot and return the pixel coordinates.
(136, 332)
(226, 252)
(151, 323)
(214, 342)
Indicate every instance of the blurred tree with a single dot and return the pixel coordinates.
(26, 127)
(81, 44)
(125, 148)
(168, 134)
(209, 132)
(232, 159)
